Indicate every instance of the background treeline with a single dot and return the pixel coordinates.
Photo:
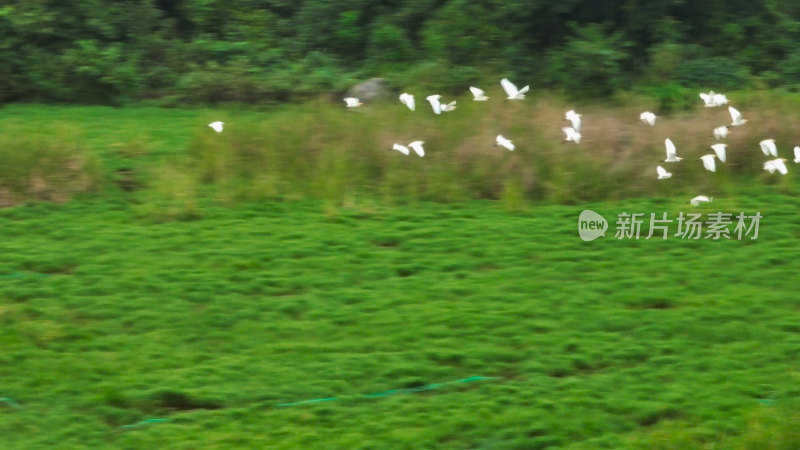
(109, 51)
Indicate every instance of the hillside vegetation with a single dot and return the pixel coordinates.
(201, 51)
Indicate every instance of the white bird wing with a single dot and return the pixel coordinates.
(509, 87)
(719, 149)
(662, 172)
(700, 198)
(477, 93)
(768, 147)
(408, 100)
(449, 107)
(797, 154)
(503, 142)
(780, 166)
(434, 101)
(707, 99)
(769, 166)
(736, 116)
(417, 147)
(521, 93)
(708, 162)
(575, 118)
(671, 150)
(401, 148)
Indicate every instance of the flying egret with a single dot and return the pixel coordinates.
(797, 154)
(648, 118)
(719, 149)
(662, 173)
(435, 104)
(478, 94)
(736, 116)
(417, 147)
(776, 164)
(449, 107)
(352, 102)
(503, 142)
(408, 100)
(401, 148)
(708, 99)
(571, 135)
(575, 118)
(768, 147)
(720, 99)
(672, 153)
(700, 198)
(720, 132)
(216, 126)
(708, 162)
(512, 91)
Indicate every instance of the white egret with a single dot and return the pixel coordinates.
(768, 147)
(478, 94)
(708, 99)
(216, 126)
(449, 107)
(401, 148)
(776, 164)
(435, 104)
(408, 100)
(662, 173)
(708, 162)
(719, 149)
(672, 153)
(571, 135)
(797, 154)
(700, 198)
(721, 132)
(352, 102)
(417, 147)
(575, 118)
(648, 118)
(503, 142)
(736, 117)
(512, 91)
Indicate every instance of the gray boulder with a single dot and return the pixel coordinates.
(370, 90)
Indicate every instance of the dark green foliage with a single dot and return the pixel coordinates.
(110, 51)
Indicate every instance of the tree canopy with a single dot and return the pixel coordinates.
(106, 51)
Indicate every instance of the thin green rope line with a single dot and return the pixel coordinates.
(142, 423)
(427, 387)
(10, 402)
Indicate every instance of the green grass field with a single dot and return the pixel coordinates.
(112, 313)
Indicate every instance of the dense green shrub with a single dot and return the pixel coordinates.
(107, 51)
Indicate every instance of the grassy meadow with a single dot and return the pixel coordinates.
(154, 270)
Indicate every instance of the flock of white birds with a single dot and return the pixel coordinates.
(573, 134)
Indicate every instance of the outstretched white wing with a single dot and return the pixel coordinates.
(708, 162)
(434, 101)
(509, 87)
(719, 149)
(408, 100)
(417, 147)
(400, 148)
(478, 94)
(671, 150)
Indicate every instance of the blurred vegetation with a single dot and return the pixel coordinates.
(189, 51)
(169, 159)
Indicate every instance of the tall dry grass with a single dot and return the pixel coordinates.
(326, 151)
(49, 164)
